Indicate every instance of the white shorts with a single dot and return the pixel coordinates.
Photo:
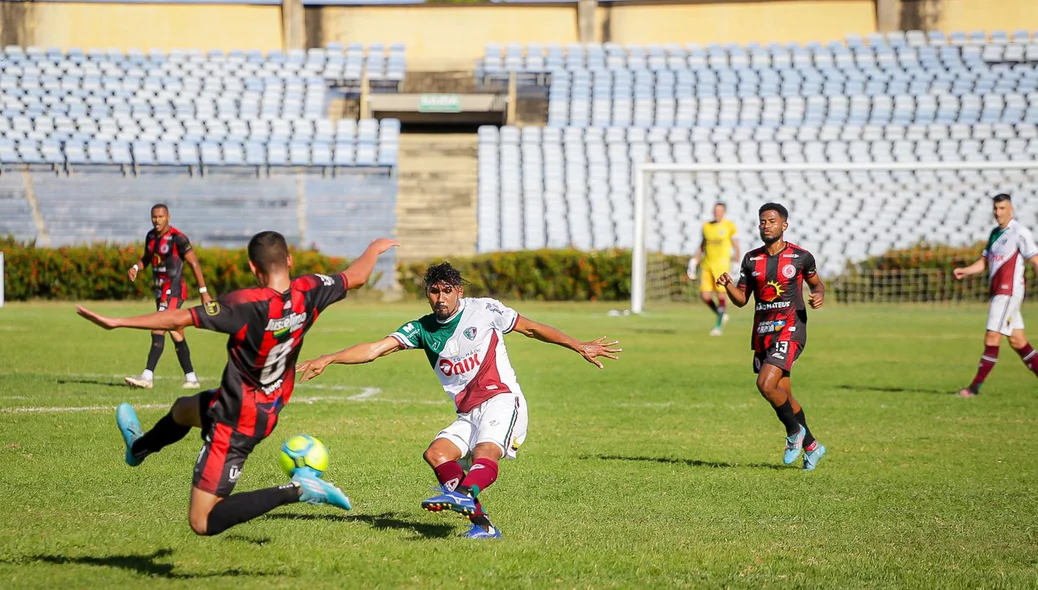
(1004, 314)
(501, 420)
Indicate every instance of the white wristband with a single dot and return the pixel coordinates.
(135, 267)
(203, 290)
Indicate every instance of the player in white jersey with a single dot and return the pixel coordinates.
(1008, 247)
(464, 341)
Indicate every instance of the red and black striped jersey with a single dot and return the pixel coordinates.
(165, 253)
(266, 330)
(776, 282)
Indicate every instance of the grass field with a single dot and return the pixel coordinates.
(662, 471)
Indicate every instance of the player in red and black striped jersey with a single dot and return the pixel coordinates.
(266, 325)
(167, 249)
(774, 274)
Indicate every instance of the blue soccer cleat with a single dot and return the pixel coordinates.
(456, 501)
(794, 443)
(811, 458)
(130, 428)
(317, 491)
(478, 532)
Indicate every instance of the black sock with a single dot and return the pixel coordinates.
(184, 356)
(243, 507)
(158, 342)
(785, 415)
(165, 432)
(808, 437)
(482, 520)
(711, 305)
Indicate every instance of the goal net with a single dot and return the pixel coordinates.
(880, 232)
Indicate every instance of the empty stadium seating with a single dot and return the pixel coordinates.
(551, 187)
(884, 81)
(189, 108)
(896, 98)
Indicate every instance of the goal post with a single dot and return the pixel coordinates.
(959, 186)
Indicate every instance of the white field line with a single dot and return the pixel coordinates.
(367, 394)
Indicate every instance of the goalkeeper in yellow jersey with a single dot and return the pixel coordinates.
(714, 258)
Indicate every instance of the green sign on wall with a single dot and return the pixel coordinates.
(439, 103)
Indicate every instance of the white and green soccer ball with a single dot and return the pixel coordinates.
(303, 450)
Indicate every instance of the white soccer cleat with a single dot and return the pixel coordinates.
(191, 385)
(724, 320)
(138, 381)
(715, 332)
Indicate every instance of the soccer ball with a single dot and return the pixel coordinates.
(303, 450)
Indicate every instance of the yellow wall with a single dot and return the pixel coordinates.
(986, 15)
(456, 35)
(159, 26)
(739, 22)
(441, 33)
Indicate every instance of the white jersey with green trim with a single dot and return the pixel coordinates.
(467, 351)
(1007, 250)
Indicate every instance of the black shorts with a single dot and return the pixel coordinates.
(164, 302)
(223, 454)
(781, 353)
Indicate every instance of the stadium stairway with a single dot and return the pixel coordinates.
(436, 202)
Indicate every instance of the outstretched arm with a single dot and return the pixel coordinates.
(169, 320)
(359, 272)
(967, 271)
(736, 294)
(354, 355)
(590, 350)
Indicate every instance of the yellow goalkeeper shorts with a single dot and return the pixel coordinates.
(708, 275)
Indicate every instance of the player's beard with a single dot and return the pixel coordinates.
(769, 241)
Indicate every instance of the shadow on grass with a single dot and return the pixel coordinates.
(145, 565)
(688, 462)
(386, 520)
(893, 389)
(255, 541)
(120, 385)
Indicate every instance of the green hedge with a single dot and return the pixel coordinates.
(98, 271)
(553, 275)
(922, 273)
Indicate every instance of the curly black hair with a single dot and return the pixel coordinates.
(443, 273)
(782, 212)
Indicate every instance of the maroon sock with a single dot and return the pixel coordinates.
(449, 474)
(987, 362)
(1029, 356)
(482, 473)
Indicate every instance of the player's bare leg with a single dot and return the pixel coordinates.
(185, 414)
(770, 384)
(443, 455)
(210, 514)
(987, 362)
(813, 450)
(708, 299)
(1023, 348)
(145, 379)
(184, 357)
(461, 489)
(722, 311)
